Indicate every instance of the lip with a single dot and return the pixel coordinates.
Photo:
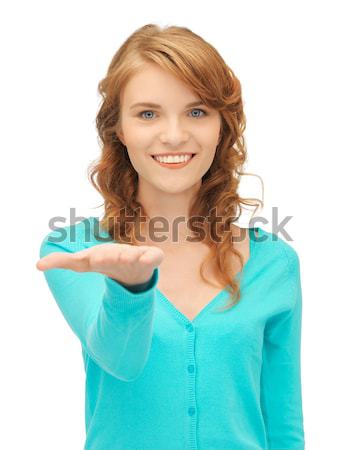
(174, 154)
(174, 165)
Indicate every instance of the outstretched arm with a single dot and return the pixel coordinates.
(112, 320)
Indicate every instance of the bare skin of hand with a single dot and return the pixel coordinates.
(127, 264)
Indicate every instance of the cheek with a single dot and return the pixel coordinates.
(140, 160)
(209, 145)
(208, 135)
(135, 155)
(136, 132)
(208, 159)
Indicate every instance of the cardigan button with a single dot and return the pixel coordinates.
(191, 411)
(189, 327)
(191, 368)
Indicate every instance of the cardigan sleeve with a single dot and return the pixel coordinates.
(281, 396)
(112, 322)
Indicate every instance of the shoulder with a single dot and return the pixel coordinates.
(73, 238)
(277, 250)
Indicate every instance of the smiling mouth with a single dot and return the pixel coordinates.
(174, 165)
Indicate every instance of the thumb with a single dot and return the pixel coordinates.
(61, 260)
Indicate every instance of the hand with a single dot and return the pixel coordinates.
(127, 264)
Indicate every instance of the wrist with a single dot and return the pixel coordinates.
(139, 287)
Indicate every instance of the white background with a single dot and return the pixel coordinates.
(53, 54)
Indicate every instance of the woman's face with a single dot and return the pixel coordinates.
(173, 127)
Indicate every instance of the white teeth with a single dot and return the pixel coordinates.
(173, 159)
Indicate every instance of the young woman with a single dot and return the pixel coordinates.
(190, 333)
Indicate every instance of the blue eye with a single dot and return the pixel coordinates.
(197, 109)
(143, 112)
(149, 111)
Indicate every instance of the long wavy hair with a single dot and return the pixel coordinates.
(197, 63)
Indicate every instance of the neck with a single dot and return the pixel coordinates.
(169, 213)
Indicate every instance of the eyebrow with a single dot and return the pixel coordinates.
(155, 105)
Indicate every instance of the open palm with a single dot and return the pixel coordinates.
(127, 264)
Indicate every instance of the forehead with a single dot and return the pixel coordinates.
(154, 84)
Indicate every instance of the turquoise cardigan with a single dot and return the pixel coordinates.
(158, 381)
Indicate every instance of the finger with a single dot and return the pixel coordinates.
(62, 260)
(152, 256)
(128, 255)
(131, 254)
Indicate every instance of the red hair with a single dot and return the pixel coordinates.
(197, 63)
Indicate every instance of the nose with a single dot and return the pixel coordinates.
(174, 134)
